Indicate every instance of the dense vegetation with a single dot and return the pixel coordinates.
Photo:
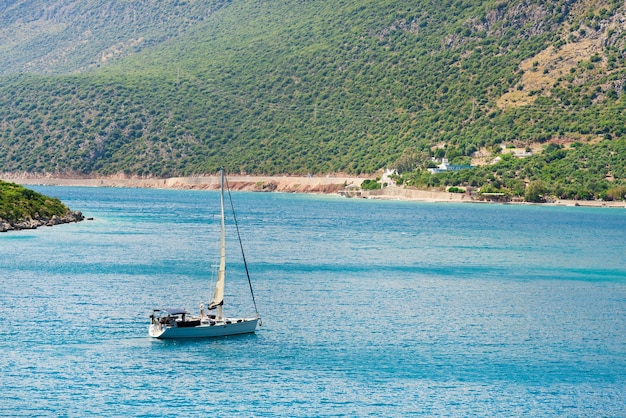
(582, 172)
(301, 87)
(17, 202)
(66, 36)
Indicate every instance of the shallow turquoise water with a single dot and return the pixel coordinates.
(369, 308)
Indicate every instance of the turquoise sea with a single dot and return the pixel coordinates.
(369, 308)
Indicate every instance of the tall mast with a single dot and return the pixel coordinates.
(218, 295)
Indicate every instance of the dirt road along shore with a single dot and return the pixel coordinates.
(288, 184)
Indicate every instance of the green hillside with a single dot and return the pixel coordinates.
(17, 202)
(22, 208)
(65, 36)
(318, 87)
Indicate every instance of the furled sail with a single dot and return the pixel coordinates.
(218, 295)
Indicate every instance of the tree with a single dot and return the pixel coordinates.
(535, 191)
(410, 160)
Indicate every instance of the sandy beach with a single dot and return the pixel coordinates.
(286, 184)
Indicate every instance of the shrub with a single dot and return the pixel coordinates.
(535, 191)
(615, 193)
(369, 184)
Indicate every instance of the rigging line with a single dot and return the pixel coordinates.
(241, 246)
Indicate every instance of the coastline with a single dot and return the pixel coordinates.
(72, 216)
(399, 193)
(286, 184)
(289, 184)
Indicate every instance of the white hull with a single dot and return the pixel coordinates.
(205, 330)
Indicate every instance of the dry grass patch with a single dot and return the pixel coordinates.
(543, 70)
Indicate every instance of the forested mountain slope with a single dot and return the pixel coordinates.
(294, 86)
(67, 36)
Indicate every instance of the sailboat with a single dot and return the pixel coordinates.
(174, 323)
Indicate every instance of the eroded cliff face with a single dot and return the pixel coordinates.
(287, 186)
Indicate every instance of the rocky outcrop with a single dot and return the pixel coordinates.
(37, 221)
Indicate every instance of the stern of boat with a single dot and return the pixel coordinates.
(155, 330)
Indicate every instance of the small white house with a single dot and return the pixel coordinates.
(445, 166)
(386, 177)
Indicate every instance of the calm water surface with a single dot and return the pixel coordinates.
(369, 308)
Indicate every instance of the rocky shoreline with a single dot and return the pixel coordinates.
(34, 223)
